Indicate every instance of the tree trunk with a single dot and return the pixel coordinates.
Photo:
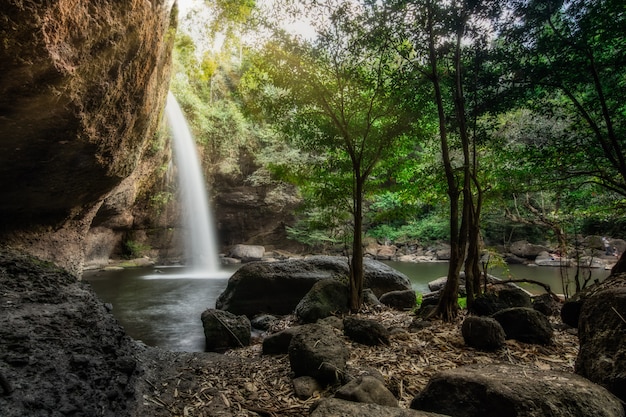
(356, 265)
(448, 307)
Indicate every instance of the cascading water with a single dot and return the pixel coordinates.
(201, 247)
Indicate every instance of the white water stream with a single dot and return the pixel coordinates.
(201, 247)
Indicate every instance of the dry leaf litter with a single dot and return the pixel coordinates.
(247, 383)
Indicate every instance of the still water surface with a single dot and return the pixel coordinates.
(165, 312)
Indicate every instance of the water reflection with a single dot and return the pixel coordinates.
(165, 312)
(162, 312)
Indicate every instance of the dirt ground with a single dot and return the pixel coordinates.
(63, 354)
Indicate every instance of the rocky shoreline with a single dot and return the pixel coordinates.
(62, 353)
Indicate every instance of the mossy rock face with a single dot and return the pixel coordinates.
(82, 91)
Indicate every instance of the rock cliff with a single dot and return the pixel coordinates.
(82, 86)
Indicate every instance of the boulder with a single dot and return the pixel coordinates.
(365, 331)
(526, 250)
(325, 298)
(316, 351)
(483, 333)
(386, 253)
(570, 311)
(224, 330)
(333, 407)
(367, 389)
(278, 287)
(399, 300)
(491, 302)
(525, 324)
(545, 259)
(513, 391)
(602, 335)
(247, 253)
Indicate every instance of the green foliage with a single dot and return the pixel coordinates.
(462, 302)
(430, 228)
(159, 200)
(133, 249)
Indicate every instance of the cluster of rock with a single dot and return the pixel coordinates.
(315, 291)
(593, 252)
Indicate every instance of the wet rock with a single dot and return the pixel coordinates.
(224, 330)
(365, 331)
(325, 298)
(316, 351)
(525, 324)
(483, 333)
(510, 391)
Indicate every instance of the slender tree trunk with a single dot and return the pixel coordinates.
(356, 265)
(448, 307)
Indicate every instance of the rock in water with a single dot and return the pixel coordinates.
(224, 330)
(278, 287)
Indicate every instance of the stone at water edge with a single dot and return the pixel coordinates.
(223, 330)
(278, 287)
(247, 253)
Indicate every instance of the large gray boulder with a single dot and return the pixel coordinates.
(570, 312)
(325, 298)
(526, 250)
(505, 390)
(333, 407)
(316, 351)
(247, 253)
(602, 335)
(278, 287)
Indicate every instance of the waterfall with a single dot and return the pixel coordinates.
(201, 246)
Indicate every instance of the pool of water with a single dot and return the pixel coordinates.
(161, 306)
